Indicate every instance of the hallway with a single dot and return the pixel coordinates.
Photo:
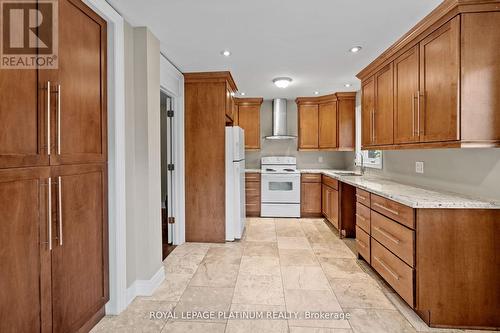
(281, 265)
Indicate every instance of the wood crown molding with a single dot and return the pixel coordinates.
(211, 77)
(326, 98)
(440, 15)
(249, 101)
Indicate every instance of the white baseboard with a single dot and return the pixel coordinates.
(145, 287)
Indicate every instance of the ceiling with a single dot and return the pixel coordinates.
(305, 40)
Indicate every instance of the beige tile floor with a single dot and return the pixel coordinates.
(280, 265)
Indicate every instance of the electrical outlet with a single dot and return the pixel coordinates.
(419, 167)
(320, 159)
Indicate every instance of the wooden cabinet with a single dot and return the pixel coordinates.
(53, 183)
(406, 94)
(205, 96)
(330, 200)
(430, 78)
(326, 122)
(247, 117)
(310, 197)
(383, 111)
(308, 115)
(80, 239)
(439, 80)
(328, 125)
(252, 194)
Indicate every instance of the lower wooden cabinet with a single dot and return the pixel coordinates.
(54, 256)
(330, 200)
(252, 194)
(310, 195)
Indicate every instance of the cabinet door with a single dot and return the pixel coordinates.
(328, 125)
(24, 254)
(80, 255)
(23, 139)
(80, 126)
(325, 202)
(229, 103)
(439, 83)
(406, 80)
(346, 124)
(334, 207)
(367, 108)
(249, 120)
(383, 115)
(310, 198)
(308, 127)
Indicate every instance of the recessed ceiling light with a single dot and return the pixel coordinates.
(282, 82)
(347, 85)
(242, 94)
(316, 93)
(226, 53)
(355, 49)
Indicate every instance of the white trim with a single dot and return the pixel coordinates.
(116, 154)
(145, 287)
(172, 82)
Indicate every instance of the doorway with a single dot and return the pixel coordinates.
(167, 170)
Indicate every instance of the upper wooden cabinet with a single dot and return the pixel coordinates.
(247, 116)
(326, 122)
(436, 86)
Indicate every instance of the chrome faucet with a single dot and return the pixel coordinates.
(362, 166)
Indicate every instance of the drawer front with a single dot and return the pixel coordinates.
(252, 177)
(398, 274)
(311, 178)
(363, 244)
(333, 183)
(252, 209)
(396, 211)
(363, 197)
(363, 217)
(397, 238)
(252, 188)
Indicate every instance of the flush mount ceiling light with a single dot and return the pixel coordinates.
(316, 93)
(242, 94)
(355, 49)
(347, 85)
(226, 53)
(282, 82)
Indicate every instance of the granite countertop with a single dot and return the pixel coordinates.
(409, 195)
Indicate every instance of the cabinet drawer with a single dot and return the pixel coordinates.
(396, 211)
(252, 177)
(252, 187)
(311, 178)
(363, 197)
(363, 244)
(333, 183)
(398, 274)
(397, 238)
(363, 217)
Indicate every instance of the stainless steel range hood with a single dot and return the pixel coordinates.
(279, 121)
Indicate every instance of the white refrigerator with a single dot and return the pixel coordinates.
(235, 183)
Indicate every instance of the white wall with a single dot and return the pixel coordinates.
(142, 85)
(474, 172)
(331, 160)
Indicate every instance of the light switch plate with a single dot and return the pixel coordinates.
(419, 167)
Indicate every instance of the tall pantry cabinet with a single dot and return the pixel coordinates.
(53, 184)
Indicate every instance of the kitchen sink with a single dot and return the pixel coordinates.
(348, 174)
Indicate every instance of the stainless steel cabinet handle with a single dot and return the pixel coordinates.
(48, 117)
(386, 209)
(387, 268)
(360, 197)
(418, 112)
(388, 235)
(58, 119)
(373, 130)
(413, 115)
(49, 212)
(59, 206)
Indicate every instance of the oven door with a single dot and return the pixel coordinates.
(280, 188)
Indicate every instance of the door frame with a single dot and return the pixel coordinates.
(116, 156)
